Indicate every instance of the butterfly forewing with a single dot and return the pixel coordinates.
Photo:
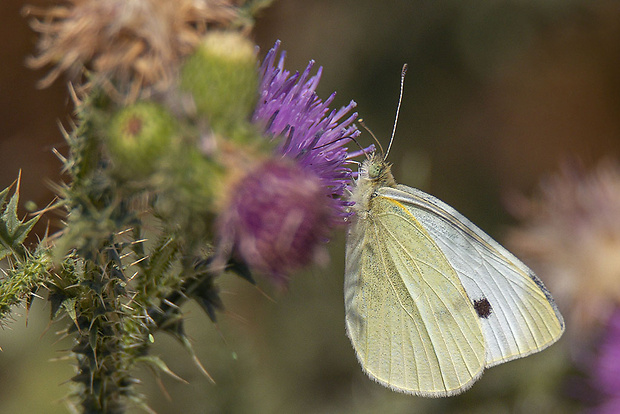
(409, 318)
(519, 315)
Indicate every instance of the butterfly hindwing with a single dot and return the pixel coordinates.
(409, 318)
(517, 314)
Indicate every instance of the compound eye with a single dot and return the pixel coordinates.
(374, 171)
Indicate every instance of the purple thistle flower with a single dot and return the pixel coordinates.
(308, 132)
(280, 214)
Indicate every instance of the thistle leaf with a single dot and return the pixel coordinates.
(13, 231)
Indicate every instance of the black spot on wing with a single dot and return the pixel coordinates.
(483, 308)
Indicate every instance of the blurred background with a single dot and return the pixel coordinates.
(499, 95)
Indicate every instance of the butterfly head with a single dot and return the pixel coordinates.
(378, 171)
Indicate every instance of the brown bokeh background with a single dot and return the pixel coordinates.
(497, 95)
(29, 116)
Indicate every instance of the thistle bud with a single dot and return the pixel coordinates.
(222, 76)
(138, 136)
(276, 220)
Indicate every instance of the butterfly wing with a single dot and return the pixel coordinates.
(408, 316)
(517, 313)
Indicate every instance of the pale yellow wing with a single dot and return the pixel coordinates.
(408, 316)
(520, 315)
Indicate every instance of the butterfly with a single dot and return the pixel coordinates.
(430, 299)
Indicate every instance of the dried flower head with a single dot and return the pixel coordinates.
(131, 47)
(570, 235)
(280, 214)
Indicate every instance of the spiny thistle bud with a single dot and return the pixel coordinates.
(276, 219)
(222, 76)
(138, 136)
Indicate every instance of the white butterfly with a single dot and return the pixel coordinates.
(430, 299)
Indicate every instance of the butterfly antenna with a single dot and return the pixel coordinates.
(340, 139)
(361, 121)
(400, 99)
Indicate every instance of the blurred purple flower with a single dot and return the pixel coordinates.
(570, 235)
(280, 214)
(606, 372)
(277, 219)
